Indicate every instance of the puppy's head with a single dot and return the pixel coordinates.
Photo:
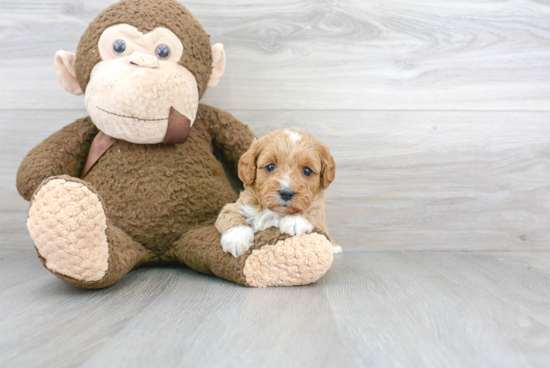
(288, 169)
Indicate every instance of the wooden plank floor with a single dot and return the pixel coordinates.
(379, 309)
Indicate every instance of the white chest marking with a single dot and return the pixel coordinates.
(260, 220)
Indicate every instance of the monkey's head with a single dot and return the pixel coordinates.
(143, 66)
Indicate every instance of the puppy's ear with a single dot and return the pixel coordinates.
(247, 163)
(328, 166)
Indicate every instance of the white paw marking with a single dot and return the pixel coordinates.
(336, 249)
(295, 225)
(237, 240)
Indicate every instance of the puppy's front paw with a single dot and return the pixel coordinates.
(237, 240)
(295, 225)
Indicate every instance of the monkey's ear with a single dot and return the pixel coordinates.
(66, 74)
(218, 64)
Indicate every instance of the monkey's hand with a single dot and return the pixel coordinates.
(230, 136)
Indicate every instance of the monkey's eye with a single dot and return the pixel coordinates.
(163, 52)
(307, 171)
(270, 168)
(120, 47)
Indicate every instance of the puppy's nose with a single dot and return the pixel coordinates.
(286, 195)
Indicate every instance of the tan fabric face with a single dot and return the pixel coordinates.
(146, 16)
(129, 96)
(137, 41)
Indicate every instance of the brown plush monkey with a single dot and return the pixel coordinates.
(137, 182)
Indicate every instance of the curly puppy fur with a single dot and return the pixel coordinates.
(285, 174)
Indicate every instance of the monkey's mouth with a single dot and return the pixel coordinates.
(128, 117)
(177, 130)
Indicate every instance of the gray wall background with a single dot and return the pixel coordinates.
(437, 113)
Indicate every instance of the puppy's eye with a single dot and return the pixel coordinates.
(270, 168)
(119, 46)
(163, 52)
(307, 171)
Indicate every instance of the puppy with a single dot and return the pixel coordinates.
(285, 174)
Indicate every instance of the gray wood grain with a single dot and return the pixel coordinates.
(421, 180)
(19, 266)
(419, 309)
(164, 317)
(405, 180)
(383, 309)
(313, 54)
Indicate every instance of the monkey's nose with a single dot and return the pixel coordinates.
(143, 60)
(286, 194)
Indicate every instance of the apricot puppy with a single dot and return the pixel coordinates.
(285, 174)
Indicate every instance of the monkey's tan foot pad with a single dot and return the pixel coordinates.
(67, 223)
(300, 260)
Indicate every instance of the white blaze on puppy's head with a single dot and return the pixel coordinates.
(288, 169)
(293, 135)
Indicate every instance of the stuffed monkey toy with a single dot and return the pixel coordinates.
(137, 182)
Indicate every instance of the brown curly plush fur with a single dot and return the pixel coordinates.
(154, 193)
(62, 153)
(146, 15)
(158, 201)
(194, 247)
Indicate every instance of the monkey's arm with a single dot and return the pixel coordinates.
(63, 153)
(229, 135)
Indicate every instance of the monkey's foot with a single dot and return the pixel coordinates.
(68, 224)
(299, 260)
(274, 259)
